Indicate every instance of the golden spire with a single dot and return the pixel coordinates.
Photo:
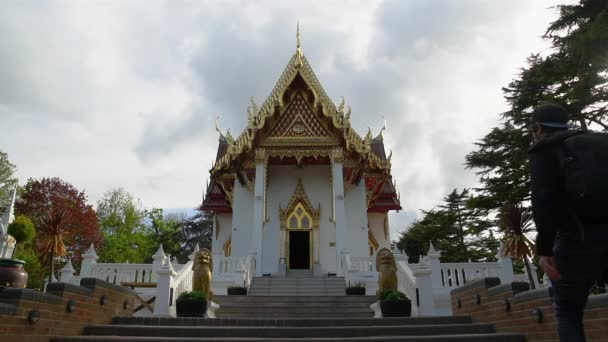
(299, 61)
(298, 35)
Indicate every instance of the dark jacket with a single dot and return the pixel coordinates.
(549, 203)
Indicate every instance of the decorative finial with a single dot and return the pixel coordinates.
(299, 61)
(217, 128)
(298, 35)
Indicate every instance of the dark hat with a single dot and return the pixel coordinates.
(550, 115)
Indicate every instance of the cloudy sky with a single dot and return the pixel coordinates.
(125, 93)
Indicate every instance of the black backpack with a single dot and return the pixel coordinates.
(584, 166)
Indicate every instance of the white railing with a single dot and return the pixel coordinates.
(362, 264)
(230, 265)
(458, 274)
(122, 273)
(249, 270)
(181, 282)
(407, 284)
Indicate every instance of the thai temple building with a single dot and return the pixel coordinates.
(299, 186)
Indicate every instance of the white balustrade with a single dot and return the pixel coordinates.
(458, 274)
(116, 273)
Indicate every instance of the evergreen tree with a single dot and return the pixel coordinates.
(574, 74)
(458, 230)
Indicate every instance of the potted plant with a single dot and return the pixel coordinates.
(191, 304)
(394, 303)
(355, 290)
(237, 291)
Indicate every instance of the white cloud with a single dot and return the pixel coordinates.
(126, 93)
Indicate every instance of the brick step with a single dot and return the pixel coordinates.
(500, 337)
(287, 332)
(314, 322)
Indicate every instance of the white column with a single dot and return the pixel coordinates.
(259, 201)
(163, 289)
(67, 273)
(340, 214)
(435, 266)
(89, 258)
(506, 266)
(425, 291)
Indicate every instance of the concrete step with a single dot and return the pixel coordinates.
(314, 322)
(223, 299)
(288, 304)
(289, 315)
(500, 337)
(287, 332)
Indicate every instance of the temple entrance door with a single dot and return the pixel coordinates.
(299, 249)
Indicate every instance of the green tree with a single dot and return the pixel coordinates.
(574, 74)
(36, 270)
(460, 231)
(22, 229)
(8, 181)
(122, 224)
(197, 230)
(166, 230)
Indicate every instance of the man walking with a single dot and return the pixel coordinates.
(572, 225)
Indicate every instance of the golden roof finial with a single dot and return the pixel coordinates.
(298, 35)
(217, 128)
(299, 61)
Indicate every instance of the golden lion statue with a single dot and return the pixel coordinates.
(387, 271)
(202, 268)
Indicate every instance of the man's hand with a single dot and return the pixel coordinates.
(548, 265)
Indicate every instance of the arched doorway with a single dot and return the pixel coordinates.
(299, 228)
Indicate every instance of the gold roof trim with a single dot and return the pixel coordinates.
(340, 117)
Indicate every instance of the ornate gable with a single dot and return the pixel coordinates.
(299, 121)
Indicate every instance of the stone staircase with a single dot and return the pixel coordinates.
(154, 329)
(297, 284)
(295, 308)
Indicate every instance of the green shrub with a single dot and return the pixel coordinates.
(22, 229)
(193, 295)
(392, 294)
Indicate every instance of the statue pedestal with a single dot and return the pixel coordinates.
(212, 307)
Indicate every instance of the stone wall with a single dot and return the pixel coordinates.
(513, 308)
(63, 311)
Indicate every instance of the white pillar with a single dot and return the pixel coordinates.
(435, 266)
(163, 289)
(158, 259)
(89, 258)
(339, 211)
(259, 211)
(424, 285)
(67, 273)
(506, 266)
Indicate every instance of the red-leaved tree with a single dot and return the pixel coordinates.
(62, 218)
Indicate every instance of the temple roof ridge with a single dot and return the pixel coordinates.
(339, 115)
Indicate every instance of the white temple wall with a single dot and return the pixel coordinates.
(376, 225)
(356, 220)
(221, 232)
(282, 182)
(242, 220)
